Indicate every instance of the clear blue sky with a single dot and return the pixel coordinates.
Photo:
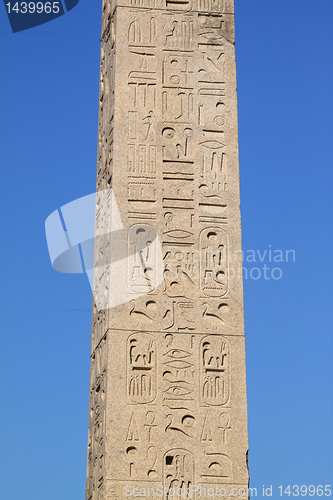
(48, 135)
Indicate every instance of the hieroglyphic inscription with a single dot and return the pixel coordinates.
(215, 428)
(96, 444)
(216, 465)
(141, 368)
(142, 129)
(178, 377)
(224, 426)
(214, 370)
(217, 468)
(178, 471)
(141, 262)
(214, 262)
(140, 457)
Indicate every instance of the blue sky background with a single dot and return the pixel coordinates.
(48, 135)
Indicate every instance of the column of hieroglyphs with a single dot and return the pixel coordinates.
(168, 392)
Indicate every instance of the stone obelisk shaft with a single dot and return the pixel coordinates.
(168, 392)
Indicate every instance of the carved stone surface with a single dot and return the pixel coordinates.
(168, 391)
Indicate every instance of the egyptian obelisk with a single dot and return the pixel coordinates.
(168, 409)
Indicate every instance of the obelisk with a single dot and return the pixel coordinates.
(168, 409)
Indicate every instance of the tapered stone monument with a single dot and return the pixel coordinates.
(168, 410)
